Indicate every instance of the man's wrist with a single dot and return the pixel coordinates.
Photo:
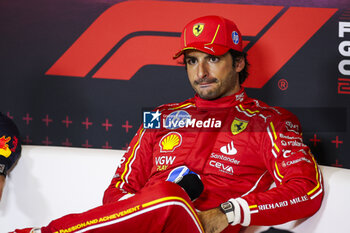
(229, 210)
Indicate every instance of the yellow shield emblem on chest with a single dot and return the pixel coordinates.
(198, 29)
(238, 126)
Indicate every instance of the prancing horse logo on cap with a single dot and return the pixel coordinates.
(198, 29)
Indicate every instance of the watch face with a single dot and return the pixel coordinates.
(226, 206)
(228, 209)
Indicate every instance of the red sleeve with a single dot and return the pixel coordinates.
(299, 189)
(134, 168)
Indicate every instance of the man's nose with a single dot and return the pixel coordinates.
(202, 71)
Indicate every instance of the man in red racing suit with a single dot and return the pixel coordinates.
(253, 146)
(237, 145)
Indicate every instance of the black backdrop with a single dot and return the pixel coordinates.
(62, 107)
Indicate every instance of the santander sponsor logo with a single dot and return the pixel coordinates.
(229, 149)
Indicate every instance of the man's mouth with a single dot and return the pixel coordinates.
(206, 83)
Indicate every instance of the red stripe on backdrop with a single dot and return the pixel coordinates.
(124, 18)
(267, 56)
(137, 52)
(283, 40)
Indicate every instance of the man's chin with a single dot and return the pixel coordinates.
(208, 96)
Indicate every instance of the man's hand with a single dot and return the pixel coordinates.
(188, 180)
(213, 220)
(2, 184)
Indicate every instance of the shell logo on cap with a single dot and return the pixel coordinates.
(170, 142)
(198, 29)
(235, 37)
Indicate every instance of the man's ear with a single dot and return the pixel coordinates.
(240, 64)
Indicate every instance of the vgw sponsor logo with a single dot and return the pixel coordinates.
(163, 162)
(104, 53)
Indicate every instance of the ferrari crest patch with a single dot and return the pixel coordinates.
(198, 29)
(238, 126)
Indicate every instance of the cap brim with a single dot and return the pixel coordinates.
(213, 49)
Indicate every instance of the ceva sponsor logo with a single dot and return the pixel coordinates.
(222, 167)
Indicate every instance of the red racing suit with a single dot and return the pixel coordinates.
(239, 146)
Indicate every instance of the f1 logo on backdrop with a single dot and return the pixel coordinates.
(273, 42)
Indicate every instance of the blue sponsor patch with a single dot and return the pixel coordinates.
(235, 37)
(177, 119)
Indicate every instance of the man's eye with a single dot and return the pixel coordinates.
(214, 59)
(190, 61)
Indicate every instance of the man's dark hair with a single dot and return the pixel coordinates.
(236, 56)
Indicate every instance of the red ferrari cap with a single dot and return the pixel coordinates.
(210, 34)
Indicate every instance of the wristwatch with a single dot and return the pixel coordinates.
(228, 209)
